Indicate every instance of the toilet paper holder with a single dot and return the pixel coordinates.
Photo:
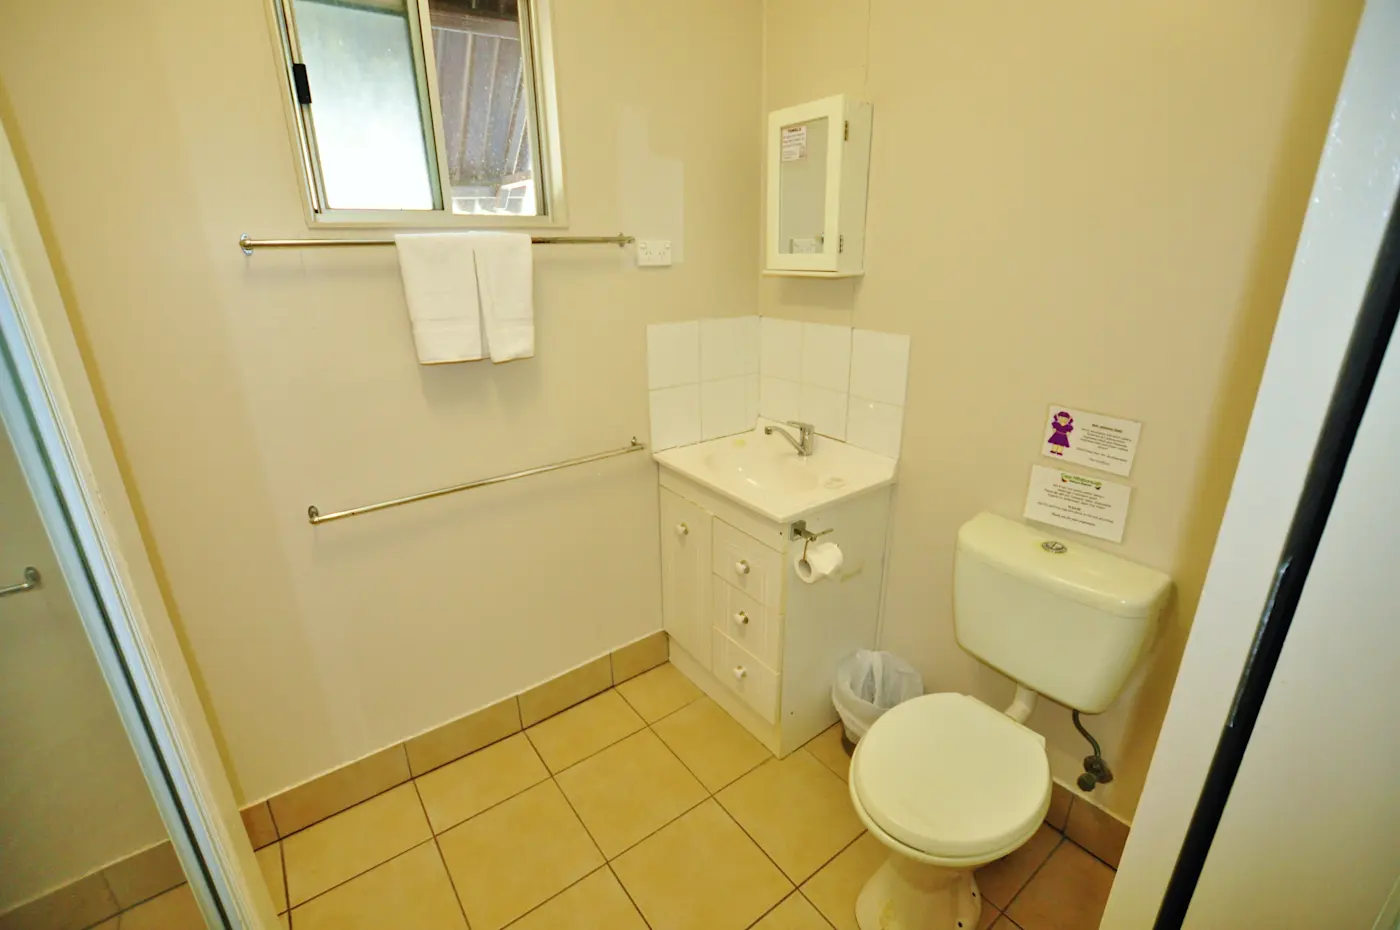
(800, 531)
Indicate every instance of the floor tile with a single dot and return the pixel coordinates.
(829, 751)
(411, 891)
(352, 842)
(286, 920)
(989, 917)
(174, 910)
(464, 735)
(710, 743)
(629, 791)
(77, 905)
(700, 872)
(568, 689)
(1004, 923)
(1068, 893)
(836, 886)
(336, 791)
(795, 913)
(580, 731)
(634, 658)
(797, 810)
(257, 820)
(517, 855)
(596, 903)
(270, 860)
(1097, 831)
(661, 691)
(999, 881)
(465, 788)
(144, 875)
(1060, 800)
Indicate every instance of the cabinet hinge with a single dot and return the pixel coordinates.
(846, 133)
(841, 243)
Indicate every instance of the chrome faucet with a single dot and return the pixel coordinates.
(805, 432)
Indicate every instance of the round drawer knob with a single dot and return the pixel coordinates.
(740, 673)
(741, 618)
(742, 566)
(682, 529)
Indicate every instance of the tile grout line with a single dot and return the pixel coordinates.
(1006, 911)
(286, 885)
(451, 882)
(321, 894)
(618, 878)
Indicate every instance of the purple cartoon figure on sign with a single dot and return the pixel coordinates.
(1062, 424)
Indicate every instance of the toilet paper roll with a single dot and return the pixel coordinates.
(820, 561)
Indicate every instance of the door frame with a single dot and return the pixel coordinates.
(61, 441)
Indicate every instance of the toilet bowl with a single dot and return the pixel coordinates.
(947, 784)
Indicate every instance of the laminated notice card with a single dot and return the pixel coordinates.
(1091, 439)
(1078, 502)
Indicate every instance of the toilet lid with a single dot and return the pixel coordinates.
(952, 777)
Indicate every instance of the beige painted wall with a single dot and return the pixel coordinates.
(1091, 204)
(239, 391)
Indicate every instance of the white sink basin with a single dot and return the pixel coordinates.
(765, 473)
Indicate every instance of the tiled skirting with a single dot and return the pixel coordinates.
(103, 894)
(300, 807)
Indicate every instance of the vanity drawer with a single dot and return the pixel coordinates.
(741, 672)
(747, 622)
(748, 565)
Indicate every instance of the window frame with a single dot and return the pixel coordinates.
(537, 49)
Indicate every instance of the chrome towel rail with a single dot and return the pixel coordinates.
(31, 581)
(248, 243)
(315, 516)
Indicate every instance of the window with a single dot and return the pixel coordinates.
(416, 110)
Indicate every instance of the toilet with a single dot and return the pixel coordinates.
(949, 783)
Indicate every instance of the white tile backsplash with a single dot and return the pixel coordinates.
(752, 339)
(779, 399)
(723, 407)
(824, 409)
(874, 426)
(675, 416)
(780, 353)
(826, 356)
(879, 366)
(722, 350)
(715, 377)
(673, 354)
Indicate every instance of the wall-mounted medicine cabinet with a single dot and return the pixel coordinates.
(818, 170)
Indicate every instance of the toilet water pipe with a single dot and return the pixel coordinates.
(1096, 771)
(1022, 704)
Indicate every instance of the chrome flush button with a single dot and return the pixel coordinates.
(1054, 548)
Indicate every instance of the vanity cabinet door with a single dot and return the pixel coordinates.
(685, 575)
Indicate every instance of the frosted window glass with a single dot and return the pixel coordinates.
(364, 107)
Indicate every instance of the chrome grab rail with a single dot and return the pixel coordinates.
(32, 580)
(248, 243)
(314, 516)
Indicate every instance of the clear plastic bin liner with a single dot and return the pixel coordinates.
(868, 683)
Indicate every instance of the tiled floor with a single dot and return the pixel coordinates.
(644, 808)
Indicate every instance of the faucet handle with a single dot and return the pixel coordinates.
(804, 427)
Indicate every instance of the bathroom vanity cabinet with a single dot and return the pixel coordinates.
(744, 628)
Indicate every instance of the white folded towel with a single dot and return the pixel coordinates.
(505, 281)
(440, 285)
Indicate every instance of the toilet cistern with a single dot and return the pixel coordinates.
(805, 432)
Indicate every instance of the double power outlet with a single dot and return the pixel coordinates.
(653, 253)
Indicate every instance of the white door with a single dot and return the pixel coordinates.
(685, 575)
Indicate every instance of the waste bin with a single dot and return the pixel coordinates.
(868, 683)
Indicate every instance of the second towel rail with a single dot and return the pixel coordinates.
(314, 516)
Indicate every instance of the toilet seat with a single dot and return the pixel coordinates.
(952, 778)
